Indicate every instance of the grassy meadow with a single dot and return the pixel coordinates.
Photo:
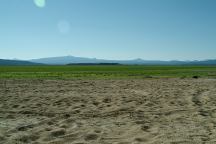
(105, 72)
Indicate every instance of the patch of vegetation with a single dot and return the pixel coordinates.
(105, 72)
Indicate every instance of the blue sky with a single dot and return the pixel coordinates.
(108, 29)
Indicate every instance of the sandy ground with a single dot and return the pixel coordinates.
(151, 111)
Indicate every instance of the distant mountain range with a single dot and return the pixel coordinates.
(4, 62)
(65, 60)
(81, 60)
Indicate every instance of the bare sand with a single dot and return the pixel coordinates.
(150, 111)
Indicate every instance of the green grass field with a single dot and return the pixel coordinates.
(105, 72)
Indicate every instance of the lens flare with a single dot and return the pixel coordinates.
(40, 3)
(64, 27)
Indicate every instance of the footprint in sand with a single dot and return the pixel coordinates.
(91, 136)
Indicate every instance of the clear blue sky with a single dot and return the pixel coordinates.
(109, 29)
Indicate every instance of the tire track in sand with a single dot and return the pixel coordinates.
(200, 100)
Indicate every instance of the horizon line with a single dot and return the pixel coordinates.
(106, 59)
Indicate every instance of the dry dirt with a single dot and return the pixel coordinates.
(151, 111)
